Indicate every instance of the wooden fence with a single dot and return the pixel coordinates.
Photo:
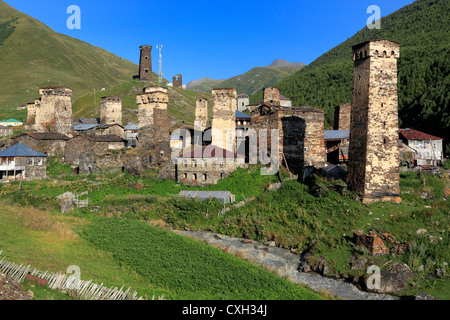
(83, 290)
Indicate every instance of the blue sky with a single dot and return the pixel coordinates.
(216, 39)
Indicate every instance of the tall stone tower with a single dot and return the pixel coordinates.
(374, 157)
(154, 122)
(177, 81)
(272, 96)
(31, 116)
(201, 113)
(145, 64)
(111, 110)
(224, 118)
(54, 113)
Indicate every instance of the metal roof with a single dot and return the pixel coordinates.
(225, 196)
(337, 134)
(241, 115)
(131, 126)
(83, 127)
(411, 134)
(11, 120)
(21, 150)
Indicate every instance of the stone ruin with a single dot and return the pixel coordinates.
(177, 82)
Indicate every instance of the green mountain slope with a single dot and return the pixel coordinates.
(33, 55)
(258, 78)
(203, 84)
(251, 81)
(422, 29)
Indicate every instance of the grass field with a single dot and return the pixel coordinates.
(132, 253)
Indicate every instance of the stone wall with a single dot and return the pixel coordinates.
(145, 64)
(203, 172)
(374, 155)
(36, 168)
(342, 115)
(80, 145)
(301, 134)
(224, 118)
(111, 110)
(51, 145)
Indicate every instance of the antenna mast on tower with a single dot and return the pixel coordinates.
(160, 75)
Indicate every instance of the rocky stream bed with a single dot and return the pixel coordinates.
(284, 264)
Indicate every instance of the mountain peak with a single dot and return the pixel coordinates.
(284, 63)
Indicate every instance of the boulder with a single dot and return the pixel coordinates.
(393, 279)
(304, 262)
(421, 296)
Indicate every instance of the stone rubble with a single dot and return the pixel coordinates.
(11, 290)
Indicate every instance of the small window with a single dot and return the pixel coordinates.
(162, 153)
(195, 176)
(31, 161)
(40, 162)
(205, 176)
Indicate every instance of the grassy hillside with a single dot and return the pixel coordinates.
(181, 103)
(251, 81)
(33, 55)
(203, 84)
(320, 216)
(422, 29)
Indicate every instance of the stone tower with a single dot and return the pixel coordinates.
(54, 112)
(272, 96)
(224, 118)
(145, 64)
(243, 100)
(201, 113)
(111, 110)
(154, 122)
(31, 116)
(177, 81)
(374, 157)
